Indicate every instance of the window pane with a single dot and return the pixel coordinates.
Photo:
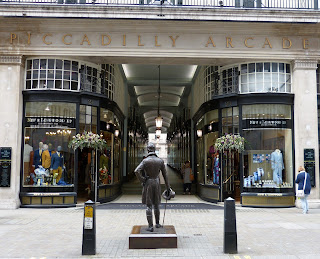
(259, 67)
(274, 67)
(244, 68)
(67, 65)
(35, 64)
(267, 67)
(58, 64)
(50, 63)
(252, 68)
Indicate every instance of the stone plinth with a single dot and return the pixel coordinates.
(165, 237)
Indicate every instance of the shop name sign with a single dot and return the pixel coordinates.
(266, 123)
(152, 40)
(49, 122)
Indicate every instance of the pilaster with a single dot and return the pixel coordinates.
(304, 85)
(11, 103)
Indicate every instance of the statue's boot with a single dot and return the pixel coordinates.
(157, 216)
(150, 220)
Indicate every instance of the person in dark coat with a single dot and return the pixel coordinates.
(148, 172)
(300, 181)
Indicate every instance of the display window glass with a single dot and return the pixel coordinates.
(268, 160)
(49, 127)
(105, 160)
(212, 175)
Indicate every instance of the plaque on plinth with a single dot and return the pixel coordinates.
(164, 237)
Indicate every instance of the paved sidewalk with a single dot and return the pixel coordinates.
(262, 233)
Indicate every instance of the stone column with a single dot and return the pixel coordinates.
(11, 104)
(304, 86)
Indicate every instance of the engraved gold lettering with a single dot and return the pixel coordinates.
(64, 39)
(305, 43)
(124, 41)
(267, 42)
(102, 40)
(13, 36)
(44, 39)
(246, 42)
(156, 41)
(29, 38)
(210, 41)
(229, 42)
(285, 44)
(174, 40)
(139, 41)
(85, 38)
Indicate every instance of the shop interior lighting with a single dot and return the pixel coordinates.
(199, 133)
(116, 133)
(158, 132)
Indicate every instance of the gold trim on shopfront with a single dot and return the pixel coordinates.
(268, 201)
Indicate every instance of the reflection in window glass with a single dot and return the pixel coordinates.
(48, 161)
(268, 161)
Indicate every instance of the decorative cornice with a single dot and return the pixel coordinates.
(304, 64)
(16, 60)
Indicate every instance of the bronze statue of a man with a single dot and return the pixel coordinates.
(148, 172)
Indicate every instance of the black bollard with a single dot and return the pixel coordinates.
(230, 228)
(89, 229)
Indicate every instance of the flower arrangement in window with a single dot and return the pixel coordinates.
(230, 142)
(89, 140)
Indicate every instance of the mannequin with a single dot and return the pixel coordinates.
(277, 166)
(57, 164)
(104, 161)
(216, 170)
(26, 158)
(46, 159)
(37, 156)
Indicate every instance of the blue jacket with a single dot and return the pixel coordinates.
(300, 182)
(37, 158)
(56, 161)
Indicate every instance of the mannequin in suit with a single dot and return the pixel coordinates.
(37, 156)
(57, 163)
(46, 159)
(277, 166)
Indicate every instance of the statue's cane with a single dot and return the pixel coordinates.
(164, 214)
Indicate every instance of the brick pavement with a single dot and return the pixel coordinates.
(262, 233)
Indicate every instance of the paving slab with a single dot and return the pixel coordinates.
(262, 233)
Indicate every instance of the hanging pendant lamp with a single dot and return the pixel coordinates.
(158, 118)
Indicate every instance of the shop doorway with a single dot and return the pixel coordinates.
(231, 175)
(84, 175)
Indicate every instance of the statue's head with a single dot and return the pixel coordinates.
(151, 147)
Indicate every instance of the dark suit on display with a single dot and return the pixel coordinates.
(37, 160)
(56, 165)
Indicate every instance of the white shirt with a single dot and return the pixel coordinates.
(26, 152)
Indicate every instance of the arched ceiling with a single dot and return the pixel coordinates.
(143, 80)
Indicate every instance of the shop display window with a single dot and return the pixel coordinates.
(268, 160)
(213, 161)
(49, 127)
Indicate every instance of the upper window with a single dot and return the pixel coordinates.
(247, 78)
(265, 77)
(52, 74)
(70, 75)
